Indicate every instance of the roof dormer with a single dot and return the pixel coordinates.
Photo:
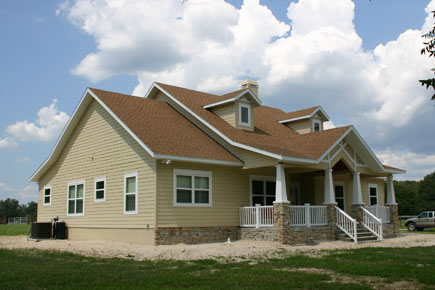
(307, 120)
(236, 108)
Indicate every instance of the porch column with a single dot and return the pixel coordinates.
(280, 189)
(391, 196)
(357, 194)
(329, 196)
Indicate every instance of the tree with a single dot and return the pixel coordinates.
(407, 197)
(430, 50)
(31, 210)
(426, 190)
(11, 208)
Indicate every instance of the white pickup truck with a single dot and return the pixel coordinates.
(425, 219)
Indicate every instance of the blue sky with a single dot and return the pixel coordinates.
(47, 45)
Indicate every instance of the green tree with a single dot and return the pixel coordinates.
(31, 210)
(407, 197)
(429, 49)
(426, 191)
(11, 208)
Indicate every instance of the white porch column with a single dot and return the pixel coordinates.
(391, 195)
(357, 194)
(280, 189)
(329, 196)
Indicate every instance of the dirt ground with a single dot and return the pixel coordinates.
(234, 250)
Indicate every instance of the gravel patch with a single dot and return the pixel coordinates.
(236, 251)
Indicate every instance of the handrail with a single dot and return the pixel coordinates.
(347, 224)
(256, 216)
(372, 223)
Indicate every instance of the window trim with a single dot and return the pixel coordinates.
(127, 175)
(260, 178)
(43, 195)
(341, 183)
(317, 121)
(373, 185)
(95, 189)
(248, 106)
(75, 183)
(193, 173)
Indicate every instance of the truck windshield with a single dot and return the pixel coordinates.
(422, 215)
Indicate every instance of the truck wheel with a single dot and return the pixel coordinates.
(420, 229)
(411, 227)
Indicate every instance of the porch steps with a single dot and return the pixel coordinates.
(363, 236)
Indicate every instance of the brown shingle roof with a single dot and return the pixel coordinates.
(268, 135)
(162, 128)
(300, 113)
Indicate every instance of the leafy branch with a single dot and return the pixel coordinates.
(429, 50)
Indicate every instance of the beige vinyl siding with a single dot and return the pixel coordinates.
(100, 147)
(227, 112)
(230, 190)
(302, 126)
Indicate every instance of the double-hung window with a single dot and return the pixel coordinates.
(47, 195)
(192, 188)
(262, 190)
(100, 189)
(373, 194)
(76, 198)
(130, 193)
(317, 126)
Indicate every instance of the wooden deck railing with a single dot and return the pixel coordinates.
(372, 223)
(308, 215)
(347, 224)
(381, 212)
(256, 216)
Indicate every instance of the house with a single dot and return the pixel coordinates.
(182, 166)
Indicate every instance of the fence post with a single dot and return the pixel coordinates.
(307, 215)
(257, 215)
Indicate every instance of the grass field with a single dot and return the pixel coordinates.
(345, 269)
(14, 230)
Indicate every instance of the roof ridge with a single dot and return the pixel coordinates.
(196, 91)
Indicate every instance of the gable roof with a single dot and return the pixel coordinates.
(304, 114)
(231, 97)
(145, 120)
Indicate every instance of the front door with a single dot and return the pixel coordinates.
(295, 193)
(339, 195)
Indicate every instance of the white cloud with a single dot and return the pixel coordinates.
(23, 195)
(318, 60)
(6, 143)
(48, 126)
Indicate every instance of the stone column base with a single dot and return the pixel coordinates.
(394, 218)
(332, 218)
(281, 221)
(356, 212)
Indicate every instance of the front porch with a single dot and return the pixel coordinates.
(334, 210)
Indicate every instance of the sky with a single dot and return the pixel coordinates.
(360, 60)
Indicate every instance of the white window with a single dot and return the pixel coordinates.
(76, 198)
(100, 189)
(317, 125)
(244, 114)
(373, 194)
(47, 195)
(262, 190)
(192, 188)
(130, 193)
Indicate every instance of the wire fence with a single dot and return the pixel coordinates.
(17, 220)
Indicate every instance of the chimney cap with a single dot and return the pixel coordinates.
(248, 83)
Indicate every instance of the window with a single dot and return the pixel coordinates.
(262, 190)
(76, 198)
(317, 126)
(100, 189)
(244, 114)
(192, 188)
(423, 215)
(130, 193)
(339, 194)
(373, 194)
(47, 195)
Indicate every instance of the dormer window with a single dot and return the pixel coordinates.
(244, 114)
(317, 126)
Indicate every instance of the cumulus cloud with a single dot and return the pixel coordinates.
(23, 195)
(316, 60)
(7, 143)
(48, 126)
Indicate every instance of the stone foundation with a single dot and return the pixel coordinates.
(388, 231)
(195, 235)
(357, 212)
(281, 221)
(260, 234)
(303, 235)
(394, 218)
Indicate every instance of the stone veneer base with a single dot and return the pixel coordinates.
(195, 235)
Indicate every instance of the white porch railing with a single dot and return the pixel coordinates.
(381, 212)
(17, 220)
(307, 216)
(372, 223)
(256, 216)
(347, 224)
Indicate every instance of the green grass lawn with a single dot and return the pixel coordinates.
(14, 230)
(33, 269)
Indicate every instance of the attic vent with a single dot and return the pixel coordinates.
(250, 84)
